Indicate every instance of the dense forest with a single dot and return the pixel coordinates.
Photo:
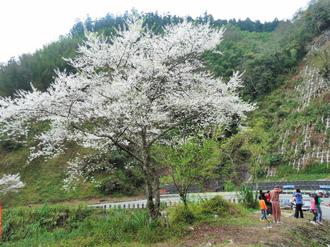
(276, 58)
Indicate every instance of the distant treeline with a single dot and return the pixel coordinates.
(156, 22)
(39, 67)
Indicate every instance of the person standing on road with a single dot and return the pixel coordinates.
(298, 198)
(275, 199)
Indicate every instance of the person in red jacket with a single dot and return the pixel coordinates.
(268, 203)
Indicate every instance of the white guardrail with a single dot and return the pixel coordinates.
(168, 200)
(172, 199)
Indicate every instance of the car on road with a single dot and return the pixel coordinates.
(286, 203)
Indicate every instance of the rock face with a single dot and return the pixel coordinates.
(308, 140)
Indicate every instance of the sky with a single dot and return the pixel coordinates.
(27, 25)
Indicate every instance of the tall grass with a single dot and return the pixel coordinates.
(82, 226)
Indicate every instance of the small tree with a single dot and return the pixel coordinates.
(127, 93)
(246, 197)
(189, 163)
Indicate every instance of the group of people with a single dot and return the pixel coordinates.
(269, 203)
(316, 208)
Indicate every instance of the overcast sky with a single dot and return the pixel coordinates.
(27, 25)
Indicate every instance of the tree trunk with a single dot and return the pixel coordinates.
(152, 187)
(183, 196)
(153, 195)
(152, 180)
(157, 193)
(150, 197)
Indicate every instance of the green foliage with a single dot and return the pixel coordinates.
(321, 60)
(219, 206)
(243, 152)
(229, 186)
(247, 197)
(22, 222)
(181, 215)
(122, 181)
(37, 68)
(189, 163)
(203, 211)
(267, 57)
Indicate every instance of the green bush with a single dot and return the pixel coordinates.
(203, 211)
(181, 215)
(229, 186)
(219, 206)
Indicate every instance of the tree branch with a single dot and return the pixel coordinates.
(115, 142)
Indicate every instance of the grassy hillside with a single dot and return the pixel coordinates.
(44, 178)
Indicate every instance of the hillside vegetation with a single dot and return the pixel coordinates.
(286, 73)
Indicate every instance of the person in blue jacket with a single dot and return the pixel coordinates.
(298, 198)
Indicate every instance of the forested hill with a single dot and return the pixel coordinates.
(286, 69)
(39, 67)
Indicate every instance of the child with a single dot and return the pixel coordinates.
(313, 209)
(263, 208)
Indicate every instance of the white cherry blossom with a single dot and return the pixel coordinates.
(128, 93)
(10, 183)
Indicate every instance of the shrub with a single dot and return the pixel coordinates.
(203, 210)
(219, 206)
(229, 186)
(181, 215)
(247, 197)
